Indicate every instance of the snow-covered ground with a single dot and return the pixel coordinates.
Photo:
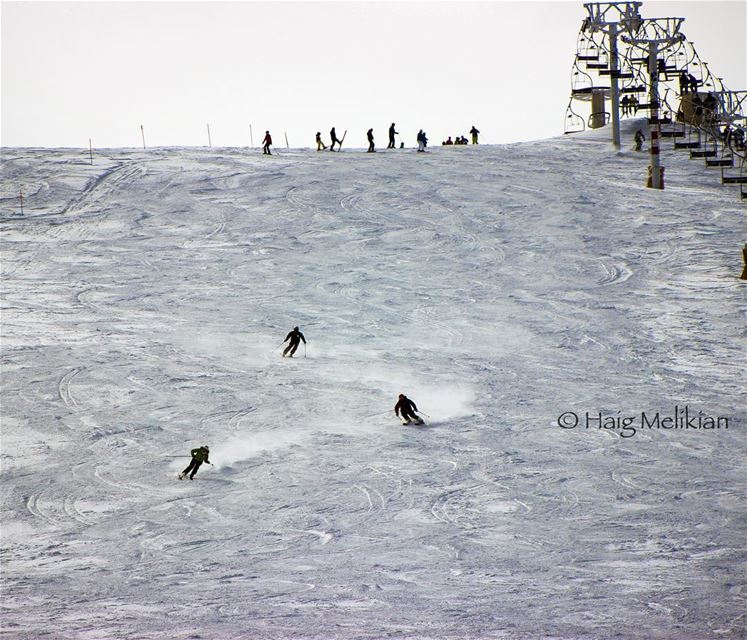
(144, 301)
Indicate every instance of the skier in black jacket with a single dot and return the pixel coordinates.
(199, 456)
(392, 133)
(295, 338)
(333, 135)
(407, 409)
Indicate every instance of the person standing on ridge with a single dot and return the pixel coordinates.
(266, 144)
(407, 409)
(392, 133)
(422, 141)
(199, 456)
(320, 146)
(369, 135)
(474, 133)
(295, 338)
(333, 136)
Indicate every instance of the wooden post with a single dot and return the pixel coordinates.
(142, 132)
(251, 136)
(210, 142)
(20, 195)
(287, 146)
(90, 151)
(744, 257)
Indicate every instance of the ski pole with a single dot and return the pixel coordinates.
(304, 349)
(424, 413)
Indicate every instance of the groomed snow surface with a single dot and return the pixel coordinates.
(144, 302)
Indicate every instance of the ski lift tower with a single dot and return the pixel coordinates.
(655, 35)
(607, 17)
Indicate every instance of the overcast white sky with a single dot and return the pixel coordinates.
(74, 70)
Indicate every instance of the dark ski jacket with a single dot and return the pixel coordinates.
(406, 406)
(268, 140)
(392, 133)
(201, 455)
(295, 336)
(369, 135)
(333, 135)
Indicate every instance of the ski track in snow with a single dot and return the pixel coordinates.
(144, 300)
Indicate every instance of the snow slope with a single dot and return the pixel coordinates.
(144, 301)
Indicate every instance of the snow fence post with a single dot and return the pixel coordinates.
(744, 257)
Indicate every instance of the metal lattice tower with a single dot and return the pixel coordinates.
(683, 99)
(653, 37)
(608, 18)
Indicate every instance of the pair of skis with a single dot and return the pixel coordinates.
(183, 475)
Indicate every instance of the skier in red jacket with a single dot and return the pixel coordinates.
(266, 144)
